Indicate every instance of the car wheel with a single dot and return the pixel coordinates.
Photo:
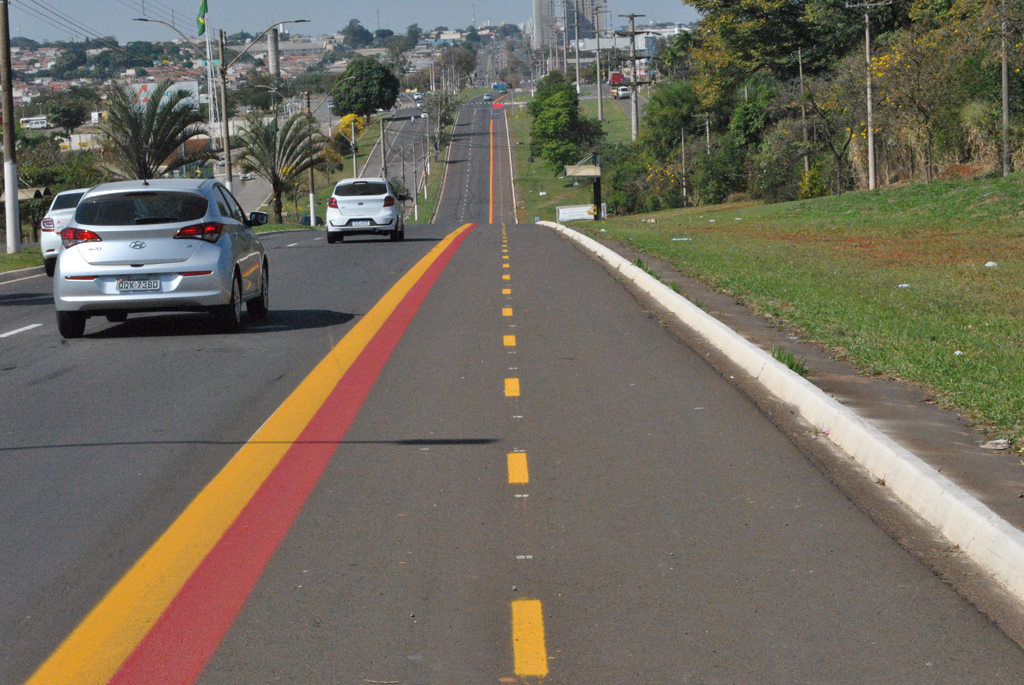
(50, 265)
(117, 317)
(259, 307)
(395, 235)
(330, 238)
(401, 234)
(71, 324)
(228, 317)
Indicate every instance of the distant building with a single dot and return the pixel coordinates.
(543, 24)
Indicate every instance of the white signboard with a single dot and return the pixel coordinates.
(143, 91)
(579, 212)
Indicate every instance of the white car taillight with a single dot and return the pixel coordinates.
(389, 201)
(73, 236)
(210, 232)
(332, 202)
(47, 224)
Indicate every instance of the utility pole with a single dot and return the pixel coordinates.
(11, 206)
(707, 131)
(803, 108)
(576, 31)
(867, 7)
(1006, 95)
(597, 36)
(225, 125)
(383, 150)
(355, 161)
(683, 150)
(312, 180)
(634, 90)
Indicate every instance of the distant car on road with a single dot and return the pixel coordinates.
(61, 211)
(487, 97)
(365, 206)
(161, 245)
(423, 115)
(622, 93)
(304, 221)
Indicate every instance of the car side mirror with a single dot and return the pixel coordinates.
(403, 198)
(258, 218)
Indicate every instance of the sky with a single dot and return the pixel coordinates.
(63, 19)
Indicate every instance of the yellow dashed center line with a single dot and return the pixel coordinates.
(511, 387)
(510, 341)
(506, 311)
(531, 655)
(518, 473)
(504, 266)
(506, 277)
(506, 291)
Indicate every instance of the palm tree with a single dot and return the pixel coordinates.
(280, 154)
(139, 139)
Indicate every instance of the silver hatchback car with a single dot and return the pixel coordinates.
(161, 245)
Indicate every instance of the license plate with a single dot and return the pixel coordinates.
(360, 223)
(136, 285)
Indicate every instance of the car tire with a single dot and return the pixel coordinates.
(395, 236)
(228, 317)
(330, 238)
(259, 307)
(50, 265)
(117, 317)
(71, 324)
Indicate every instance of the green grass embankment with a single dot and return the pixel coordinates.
(893, 280)
(28, 257)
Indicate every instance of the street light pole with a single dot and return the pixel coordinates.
(225, 125)
(867, 7)
(11, 206)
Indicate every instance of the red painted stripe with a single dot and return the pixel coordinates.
(187, 635)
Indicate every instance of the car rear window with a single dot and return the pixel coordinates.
(67, 200)
(138, 208)
(360, 188)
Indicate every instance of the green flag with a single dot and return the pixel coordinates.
(201, 19)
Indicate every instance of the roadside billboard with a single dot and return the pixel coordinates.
(143, 91)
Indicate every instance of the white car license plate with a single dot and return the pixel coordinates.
(136, 285)
(360, 223)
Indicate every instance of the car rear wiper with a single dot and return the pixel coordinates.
(157, 220)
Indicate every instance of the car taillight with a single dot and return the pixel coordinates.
(210, 232)
(332, 202)
(389, 201)
(73, 236)
(47, 224)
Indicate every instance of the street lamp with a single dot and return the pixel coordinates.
(224, 125)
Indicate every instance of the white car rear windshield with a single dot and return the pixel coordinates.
(137, 208)
(360, 189)
(66, 201)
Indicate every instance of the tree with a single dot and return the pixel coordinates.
(380, 35)
(69, 61)
(69, 114)
(414, 33)
(670, 109)
(280, 154)
(368, 86)
(139, 139)
(355, 36)
(560, 135)
(460, 61)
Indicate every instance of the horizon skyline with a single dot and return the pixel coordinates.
(42, 22)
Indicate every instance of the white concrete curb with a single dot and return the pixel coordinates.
(986, 538)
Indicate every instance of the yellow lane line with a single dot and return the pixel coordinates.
(506, 311)
(531, 655)
(506, 277)
(506, 291)
(491, 188)
(111, 631)
(518, 473)
(511, 387)
(510, 341)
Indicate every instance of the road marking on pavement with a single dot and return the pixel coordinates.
(506, 277)
(504, 266)
(163, 621)
(510, 341)
(531, 656)
(20, 330)
(506, 311)
(518, 473)
(19, 280)
(291, 245)
(491, 186)
(506, 291)
(511, 387)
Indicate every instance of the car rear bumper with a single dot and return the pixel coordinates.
(198, 283)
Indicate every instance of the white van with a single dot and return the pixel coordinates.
(35, 123)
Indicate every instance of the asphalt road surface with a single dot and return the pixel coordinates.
(520, 475)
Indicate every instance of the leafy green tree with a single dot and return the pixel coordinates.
(45, 164)
(380, 35)
(68, 62)
(548, 86)
(560, 134)
(671, 108)
(368, 86)
(281, 155)
(355, 36)
(69, 114)
(414, 33)
(139, 139)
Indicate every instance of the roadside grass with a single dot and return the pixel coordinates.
(893, 280)
(616, 122)
(426, 207)
(792, 361)
(28, 257)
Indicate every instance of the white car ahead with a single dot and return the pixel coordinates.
(61, 211)
(365, 206)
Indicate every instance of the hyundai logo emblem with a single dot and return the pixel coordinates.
(137, 245)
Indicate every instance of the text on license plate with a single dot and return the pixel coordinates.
(360, 223)
(133, 285)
